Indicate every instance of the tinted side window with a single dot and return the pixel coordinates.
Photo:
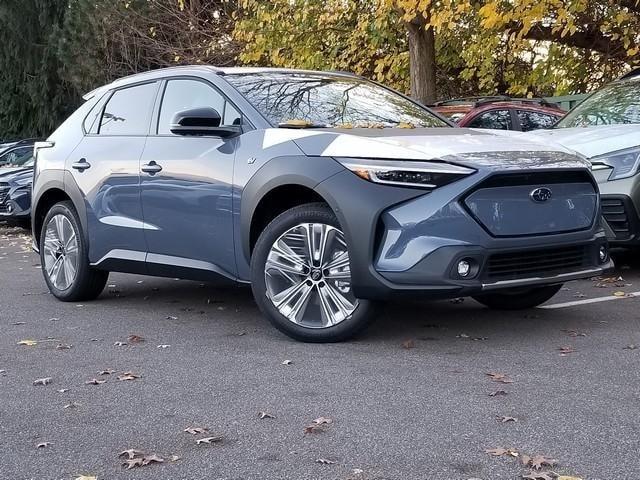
(128, 110)
(184, 94)
(495, 119)
(535, 120)
(10, 158)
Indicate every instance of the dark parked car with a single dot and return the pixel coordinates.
(500, 113)
(324, 191)
(15, 190)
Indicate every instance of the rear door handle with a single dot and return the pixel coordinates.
(151, 168)
(81, 165)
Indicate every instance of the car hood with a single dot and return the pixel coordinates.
(592, 141)
(15, 173)
(470, 147)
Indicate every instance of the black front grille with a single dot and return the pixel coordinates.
(4, 192)
(536, 263)
(615, 213)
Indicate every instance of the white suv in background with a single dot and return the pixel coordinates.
(605, 128)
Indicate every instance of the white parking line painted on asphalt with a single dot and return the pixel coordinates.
(587, 301)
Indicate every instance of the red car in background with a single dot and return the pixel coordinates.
(500, 113)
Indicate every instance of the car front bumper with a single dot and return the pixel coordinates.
(406, 241)
(15, 203)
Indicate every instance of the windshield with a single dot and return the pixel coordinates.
(615, 104)
(319, 100)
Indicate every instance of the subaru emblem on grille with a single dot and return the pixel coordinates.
(540, 194)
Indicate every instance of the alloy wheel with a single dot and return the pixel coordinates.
(308, 277)
(60, 252)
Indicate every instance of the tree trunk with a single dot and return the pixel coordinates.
(422, 61)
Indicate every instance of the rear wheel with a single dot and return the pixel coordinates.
(64, 258)
(518, 298)
(301, 277)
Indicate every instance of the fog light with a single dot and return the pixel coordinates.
(464, 267)
(603, 254)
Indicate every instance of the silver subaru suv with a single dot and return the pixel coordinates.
(325, 192)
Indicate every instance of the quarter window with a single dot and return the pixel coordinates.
(494, 119)
(128, 111)
(535, 120)
(185, 94)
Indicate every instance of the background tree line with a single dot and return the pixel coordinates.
(54, 51)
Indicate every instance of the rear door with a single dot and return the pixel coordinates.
(105, 167)
(187, 187)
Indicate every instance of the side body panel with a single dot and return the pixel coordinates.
(187, 205)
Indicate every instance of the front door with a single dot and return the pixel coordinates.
(106, 169)
(186, 188)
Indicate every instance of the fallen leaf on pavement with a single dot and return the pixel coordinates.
(538, 476)
(43, 444)
(325, 461)
(499, 377)
(209, 440)
(196, 430)
(131, 453)
(42, 381)
(505, 419)
(497, 452)
(539, 461)
(266, 415)
(322, 420)
(27, 343)
(497, 393)
(287, 362)
(133, 462)
(408, 344)
(318, 425)
(153, 458)
(574, 333)
(135, 339)
(95, 381)
(565, 350)
(128, 376)
(619, 294)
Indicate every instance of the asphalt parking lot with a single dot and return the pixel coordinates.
(409, 399)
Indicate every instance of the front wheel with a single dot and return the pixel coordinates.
(518, 298)
(64, 257)
(301, 277)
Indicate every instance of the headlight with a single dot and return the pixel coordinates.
(625, 163)
(428, 174)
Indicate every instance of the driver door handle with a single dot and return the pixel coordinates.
(81, 165)
(151, 168)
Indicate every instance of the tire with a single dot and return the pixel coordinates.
(86, 283)
(518, 299)
(319, 285)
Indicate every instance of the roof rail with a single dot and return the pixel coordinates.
(633, 73)
(478, 101)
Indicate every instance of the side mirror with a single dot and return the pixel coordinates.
(201, 121)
